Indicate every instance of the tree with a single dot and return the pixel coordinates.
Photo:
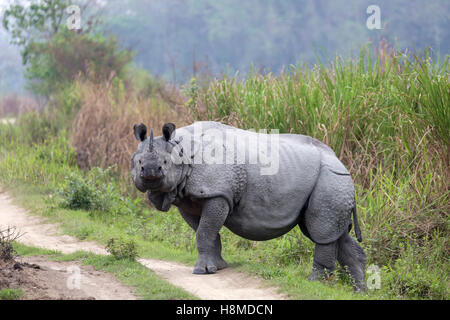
(52, 54)
(41, 21)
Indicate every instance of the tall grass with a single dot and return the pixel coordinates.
(387, 118)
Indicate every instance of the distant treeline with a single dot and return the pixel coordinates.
(178, 38)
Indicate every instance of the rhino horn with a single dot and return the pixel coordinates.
(151, 141)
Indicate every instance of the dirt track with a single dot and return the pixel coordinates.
(41, 279)
(226, 284)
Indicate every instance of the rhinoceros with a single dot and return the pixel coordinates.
(211, 172)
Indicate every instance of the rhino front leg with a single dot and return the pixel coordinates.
(214, 214)
(193, 221)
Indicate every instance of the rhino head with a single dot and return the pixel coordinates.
(153, 167)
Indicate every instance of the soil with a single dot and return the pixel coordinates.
(41, 279)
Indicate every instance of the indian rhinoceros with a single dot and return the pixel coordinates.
(208, 170)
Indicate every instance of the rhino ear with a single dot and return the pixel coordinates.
(140, 131)
(168, 130)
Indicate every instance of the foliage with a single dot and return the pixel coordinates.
(102, 130)
(11, 294)
(54, 64)
(39, 21)
(122, 249)
(92, 192)
(419, 272)
(53, 55)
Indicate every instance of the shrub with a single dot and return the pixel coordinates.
(122, 249)
(93, 192)
(7, 237)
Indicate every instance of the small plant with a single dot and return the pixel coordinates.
(122, 249)
(7, 237)
(11, 294)
(77, 194)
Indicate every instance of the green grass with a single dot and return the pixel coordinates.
(11, 294)
(144, 282)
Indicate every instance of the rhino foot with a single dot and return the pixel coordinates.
(209, 265)
(318, 274)
(314, 276)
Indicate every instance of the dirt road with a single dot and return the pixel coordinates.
(226, 284)
(41, 279)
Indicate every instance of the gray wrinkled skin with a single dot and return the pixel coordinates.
(312, 189)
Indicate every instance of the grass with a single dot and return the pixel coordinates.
(387, 120)
(11, 294)
(144, 282)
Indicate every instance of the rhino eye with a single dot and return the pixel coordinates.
(140, 162)
(165, 161)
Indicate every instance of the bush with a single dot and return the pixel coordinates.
(7, 237)
(122, 249)
(93, 192)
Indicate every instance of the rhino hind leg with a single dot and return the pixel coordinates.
(324, 262)
(352, 257)
(328, 212)
(326, 219)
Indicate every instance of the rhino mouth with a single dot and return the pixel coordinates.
(144, 186)
(153, 184)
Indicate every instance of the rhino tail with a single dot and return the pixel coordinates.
(356, 223)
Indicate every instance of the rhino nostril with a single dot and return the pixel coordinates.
(159, 168)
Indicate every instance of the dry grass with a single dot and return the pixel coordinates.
(13, 105)
(103, 129)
